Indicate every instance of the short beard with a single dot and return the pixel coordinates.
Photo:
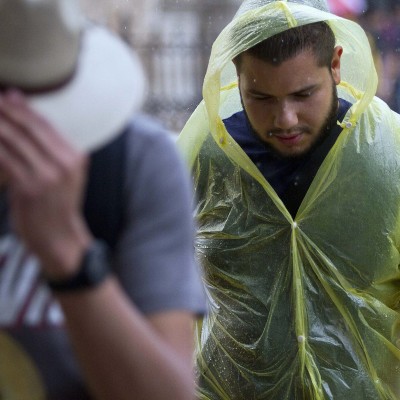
(329, 123)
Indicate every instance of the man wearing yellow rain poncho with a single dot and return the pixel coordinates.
(298, 210)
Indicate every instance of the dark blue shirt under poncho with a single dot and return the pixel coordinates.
(290, 178)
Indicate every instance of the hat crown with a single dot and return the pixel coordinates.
(39, 42)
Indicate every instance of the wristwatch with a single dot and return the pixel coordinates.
(94, 268)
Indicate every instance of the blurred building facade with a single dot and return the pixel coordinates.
(173, 39)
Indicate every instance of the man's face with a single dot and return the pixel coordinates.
(289, 106)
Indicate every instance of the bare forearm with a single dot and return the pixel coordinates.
(122, 356)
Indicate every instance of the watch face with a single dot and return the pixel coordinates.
(97, 266)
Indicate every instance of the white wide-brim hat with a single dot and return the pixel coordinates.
(107, 88)
(88, 90)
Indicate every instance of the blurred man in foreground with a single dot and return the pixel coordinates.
(98, 287)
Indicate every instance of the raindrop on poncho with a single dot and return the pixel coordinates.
(304, 307)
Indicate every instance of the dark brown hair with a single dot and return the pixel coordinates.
(317, 37)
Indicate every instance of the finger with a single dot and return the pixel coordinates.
(20, 157)
(15, 107)
(14, 141)
(13, 172)
(23, 161)
(46, 143)
(53, 145)
(26, 168)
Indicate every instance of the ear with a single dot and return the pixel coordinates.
(335, 64)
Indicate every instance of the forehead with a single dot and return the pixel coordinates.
(291, 75)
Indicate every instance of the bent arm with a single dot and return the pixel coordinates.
(125, 355)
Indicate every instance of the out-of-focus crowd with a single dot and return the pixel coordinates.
(381, 20)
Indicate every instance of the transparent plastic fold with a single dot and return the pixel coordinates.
(305, 307)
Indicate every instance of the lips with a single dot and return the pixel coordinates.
(289, 140)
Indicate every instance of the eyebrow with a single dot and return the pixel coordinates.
(304, 89)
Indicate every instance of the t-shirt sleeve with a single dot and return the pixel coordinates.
(155, 256)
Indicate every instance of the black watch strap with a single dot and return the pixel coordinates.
(94, 268)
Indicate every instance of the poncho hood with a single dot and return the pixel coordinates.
(257, 20)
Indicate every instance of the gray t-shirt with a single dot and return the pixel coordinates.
(154, 261)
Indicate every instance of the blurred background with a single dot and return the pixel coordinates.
(174, 39)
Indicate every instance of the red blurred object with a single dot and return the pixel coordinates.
(344, 8)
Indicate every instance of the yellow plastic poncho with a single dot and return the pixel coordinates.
(307, 307)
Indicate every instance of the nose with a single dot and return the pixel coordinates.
(285, 115)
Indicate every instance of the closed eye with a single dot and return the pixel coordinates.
(303, 94)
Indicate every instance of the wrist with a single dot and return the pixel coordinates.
(92, 269)
(63, 254)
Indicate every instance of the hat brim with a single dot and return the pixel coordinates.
(106, 90)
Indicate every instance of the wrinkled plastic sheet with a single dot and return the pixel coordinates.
(305, 307)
